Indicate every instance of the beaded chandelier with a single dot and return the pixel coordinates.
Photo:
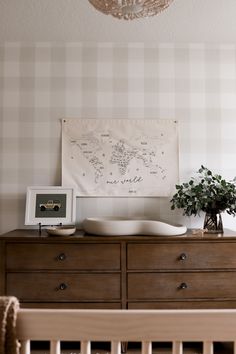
(130, 9)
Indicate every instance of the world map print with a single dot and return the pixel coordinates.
(120, 157)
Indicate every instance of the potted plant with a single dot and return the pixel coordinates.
(209, 193)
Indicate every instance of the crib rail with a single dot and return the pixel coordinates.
(116, 326)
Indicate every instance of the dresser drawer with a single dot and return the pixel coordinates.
(191, 285)
(181, 256)
(193, 304)
(83, 256)
(63, 287)
(72, 305)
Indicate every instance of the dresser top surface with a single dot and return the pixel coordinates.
(80, 236)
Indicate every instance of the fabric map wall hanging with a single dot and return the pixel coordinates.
(120, 157)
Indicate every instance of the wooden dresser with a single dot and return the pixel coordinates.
(134, 272)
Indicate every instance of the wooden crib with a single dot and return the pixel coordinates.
(116, 326)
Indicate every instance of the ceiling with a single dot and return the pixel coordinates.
(76, 20)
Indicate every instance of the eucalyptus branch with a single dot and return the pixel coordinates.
(207, 192)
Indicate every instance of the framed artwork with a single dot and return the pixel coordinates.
(120, 157)
(50, 205)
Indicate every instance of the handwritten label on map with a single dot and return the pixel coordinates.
(120, 157)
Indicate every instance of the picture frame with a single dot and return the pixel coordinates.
(50, 205)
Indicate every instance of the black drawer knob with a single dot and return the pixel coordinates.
(183, 286)
(61, 257)
(183, 257)
(62, 286)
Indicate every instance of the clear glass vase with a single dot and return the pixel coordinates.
(213, 222)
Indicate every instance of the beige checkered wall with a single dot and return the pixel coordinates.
(44, 82)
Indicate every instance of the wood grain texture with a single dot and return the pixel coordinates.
(169, 256)
(199, 285)
(2, 267)
(182, 304)
(99, 256)
(64, 287)
(114, 305)
(134, 272)
(117, 325)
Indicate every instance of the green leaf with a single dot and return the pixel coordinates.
(205, 192)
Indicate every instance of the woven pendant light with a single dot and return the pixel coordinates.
(131, 9)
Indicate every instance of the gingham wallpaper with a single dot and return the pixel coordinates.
(44, 82)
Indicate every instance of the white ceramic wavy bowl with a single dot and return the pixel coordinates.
(110, 226)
